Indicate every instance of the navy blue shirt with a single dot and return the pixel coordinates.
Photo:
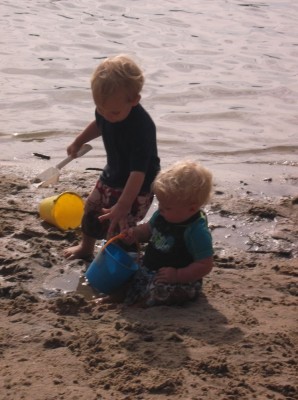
(130, 146)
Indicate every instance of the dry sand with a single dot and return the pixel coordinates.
(236, 342)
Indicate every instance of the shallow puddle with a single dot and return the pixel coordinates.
(69, 281)
(237, 232)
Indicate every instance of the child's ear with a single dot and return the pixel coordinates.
(136, 100)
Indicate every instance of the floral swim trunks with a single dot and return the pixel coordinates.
(104, 196)
(143, 290)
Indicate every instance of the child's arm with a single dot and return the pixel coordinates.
(118, 213)
(193, 272)
(90, 132)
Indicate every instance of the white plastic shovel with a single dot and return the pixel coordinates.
(51, 175)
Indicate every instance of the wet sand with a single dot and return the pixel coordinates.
(236, 342)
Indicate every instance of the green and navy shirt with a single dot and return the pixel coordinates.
(177, 244)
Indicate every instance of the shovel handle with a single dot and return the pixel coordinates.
(83, 150)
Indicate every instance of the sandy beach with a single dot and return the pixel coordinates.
(238, 341)
(221, 86)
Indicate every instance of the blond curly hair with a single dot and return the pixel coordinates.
(116, 73)
(185, 182)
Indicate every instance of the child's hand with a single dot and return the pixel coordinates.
(166, 275)
(129, 236)
(117, 216)
(73, 149)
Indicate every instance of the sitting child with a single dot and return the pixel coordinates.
(179, 252)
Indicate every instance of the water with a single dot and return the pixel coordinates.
(221, 79)
(69, 281)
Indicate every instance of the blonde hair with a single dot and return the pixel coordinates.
(185, 182)
(114, 73)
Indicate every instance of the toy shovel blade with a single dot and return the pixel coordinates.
(51, 175)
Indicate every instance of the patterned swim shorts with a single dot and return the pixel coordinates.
(143, 290)
(104, 196)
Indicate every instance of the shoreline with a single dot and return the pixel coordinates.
(236, 341)
(261, 178)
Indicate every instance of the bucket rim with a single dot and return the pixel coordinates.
(133, 264)
(67, 192)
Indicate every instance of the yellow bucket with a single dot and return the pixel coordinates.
(64, 210)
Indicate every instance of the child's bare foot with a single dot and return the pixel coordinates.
(78, 251)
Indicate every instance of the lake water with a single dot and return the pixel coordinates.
(221, 80)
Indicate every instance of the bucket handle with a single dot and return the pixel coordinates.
(121, 236)
(117, 237)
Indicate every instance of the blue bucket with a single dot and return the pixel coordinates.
(110, 269)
